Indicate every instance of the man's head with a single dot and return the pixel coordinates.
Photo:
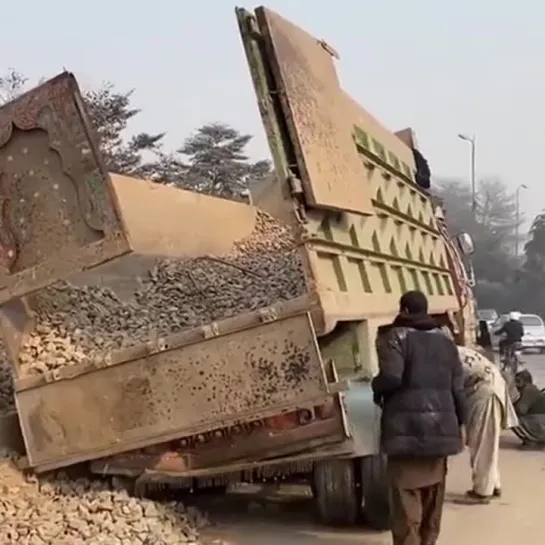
(514, 315)
(413, 302)
(523, 378)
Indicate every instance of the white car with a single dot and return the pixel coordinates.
(534, 332)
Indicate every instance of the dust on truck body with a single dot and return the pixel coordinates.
(347, 184)
(233, 389)
(368, 232)
(365, 233)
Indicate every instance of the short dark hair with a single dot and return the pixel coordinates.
(525, 377)
(414, 302)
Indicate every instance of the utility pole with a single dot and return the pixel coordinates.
(517, 216)
(471, 140)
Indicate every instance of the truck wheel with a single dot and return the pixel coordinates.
(337, 493)
(376, 507)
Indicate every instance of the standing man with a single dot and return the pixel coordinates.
(420, 389)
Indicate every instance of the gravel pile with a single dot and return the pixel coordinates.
(75, 324)
(60, 511)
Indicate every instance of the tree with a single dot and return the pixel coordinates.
(11, 85)
(213, 160)
(493, 228)
(110, 112)
(532, 275)
(534, 249)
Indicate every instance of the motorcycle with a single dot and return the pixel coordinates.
(511, 360)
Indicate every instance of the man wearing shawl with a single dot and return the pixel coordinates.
(489, 410)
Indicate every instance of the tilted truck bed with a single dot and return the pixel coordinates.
(160, 222)
(201, 387)
(226, 374)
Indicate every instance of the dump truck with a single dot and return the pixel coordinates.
(161, 335)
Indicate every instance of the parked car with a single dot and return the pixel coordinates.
(534, 332)
(489, 315)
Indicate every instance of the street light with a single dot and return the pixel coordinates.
(471, 140)
(517, 216)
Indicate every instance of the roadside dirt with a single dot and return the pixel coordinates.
(285, 516)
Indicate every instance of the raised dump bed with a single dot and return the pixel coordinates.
(211, 259)
(145, 350)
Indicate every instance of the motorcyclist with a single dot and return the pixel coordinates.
(512, 332)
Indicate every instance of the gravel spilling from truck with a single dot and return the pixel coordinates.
(61, 511)
(82, 323)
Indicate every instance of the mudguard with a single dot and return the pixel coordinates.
(363, 418)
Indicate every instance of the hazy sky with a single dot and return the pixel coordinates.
(440, 67)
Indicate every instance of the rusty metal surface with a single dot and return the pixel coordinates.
(58, 210)
(260, 443)
(332, 172)
(236, 377)
(279, 450)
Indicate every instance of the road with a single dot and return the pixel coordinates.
(286, 517)
(536, 366)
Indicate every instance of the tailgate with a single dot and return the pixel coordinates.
(58, 210)
(332, 173)
(238, 370)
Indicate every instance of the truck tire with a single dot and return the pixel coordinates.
(374, 487)
(336, 490)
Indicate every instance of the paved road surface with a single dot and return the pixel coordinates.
(536, 365)
(519, 517)
(516, 518)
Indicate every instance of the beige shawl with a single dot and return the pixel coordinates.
(482, 378)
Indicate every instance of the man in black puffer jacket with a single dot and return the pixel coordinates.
(420, 389)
